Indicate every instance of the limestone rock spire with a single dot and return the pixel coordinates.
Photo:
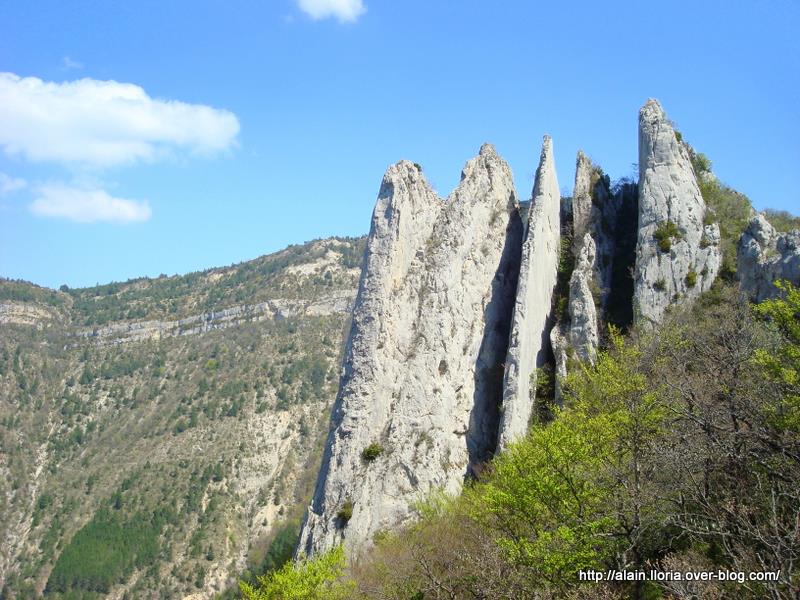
(530, 325)
(422, 372)
(677, 256)
(586, 175)
(592, 224)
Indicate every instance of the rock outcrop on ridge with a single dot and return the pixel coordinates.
(766, 256)
(677, 256)
(458, 307)
(422, 377)
(528, 345)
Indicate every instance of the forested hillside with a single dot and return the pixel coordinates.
(157, 435)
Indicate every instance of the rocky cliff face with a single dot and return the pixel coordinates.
(338, 302)
(528, 346)
(457, 310)
(677, 256)
(766, 256)
(21, 313)
(422, 377)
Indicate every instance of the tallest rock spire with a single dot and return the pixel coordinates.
(677, 256)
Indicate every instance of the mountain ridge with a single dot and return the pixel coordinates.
(216, 432)
(455, 353)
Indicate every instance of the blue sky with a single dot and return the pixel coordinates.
(142, 138)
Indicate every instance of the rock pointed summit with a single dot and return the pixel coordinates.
(677, 255)
(458, 307)
(587, 176)
(529, 341)
(421, 383)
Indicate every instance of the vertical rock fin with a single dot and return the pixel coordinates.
(531, 321)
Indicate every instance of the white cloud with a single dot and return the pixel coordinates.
(87, 205)
(10, 184)
(103, 123)
(343, 10)
(71, 64)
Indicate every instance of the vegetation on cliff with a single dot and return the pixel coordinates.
(677, 450)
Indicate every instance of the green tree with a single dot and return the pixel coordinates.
(573, 495)
(318, 578)
(782, 364)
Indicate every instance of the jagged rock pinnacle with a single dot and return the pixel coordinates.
(488, 150)
(537, 279)
(454, 316)
(677, 256)
(421, 370)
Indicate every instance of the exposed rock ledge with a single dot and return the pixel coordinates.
(123, 332)
(25, 313)
(36, 315)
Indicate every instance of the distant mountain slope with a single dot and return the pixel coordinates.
(153, 433)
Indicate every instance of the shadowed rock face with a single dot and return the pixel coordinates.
(610, 217)
(530, 325)
(422, 376)
(671, 208)
(766, 256)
